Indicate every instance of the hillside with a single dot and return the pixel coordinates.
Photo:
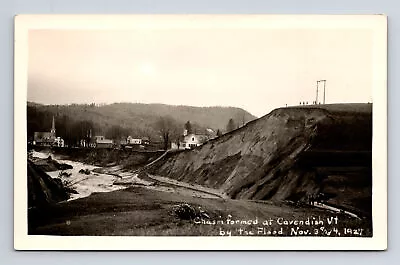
(290, 154)
(134, 118)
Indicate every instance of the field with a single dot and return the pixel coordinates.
(140, 211)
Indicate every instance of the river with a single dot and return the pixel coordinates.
(113, 178)
(82, 183)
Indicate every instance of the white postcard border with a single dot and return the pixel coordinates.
(376, 23)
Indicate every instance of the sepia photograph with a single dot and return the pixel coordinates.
(234, 131)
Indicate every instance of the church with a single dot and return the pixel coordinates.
(48, 138)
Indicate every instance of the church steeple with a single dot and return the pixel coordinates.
(53, 128)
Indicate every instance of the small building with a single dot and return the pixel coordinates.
(59, 142)
(100, 141)
(83, 143)
(131, 140)
(174, 146)
(106, 143)
(138, 140)
(43, 138)
(99, 138)
(193, 140)
(145, 140)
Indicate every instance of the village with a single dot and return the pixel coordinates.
(187, 140)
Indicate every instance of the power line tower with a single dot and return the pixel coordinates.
(316, 99)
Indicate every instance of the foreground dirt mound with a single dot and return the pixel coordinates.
(42, 189)
(289, 154)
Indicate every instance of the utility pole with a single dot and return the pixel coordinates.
(319, 81)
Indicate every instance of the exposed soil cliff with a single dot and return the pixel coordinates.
(103, 157)
(42, 189)
(289, 154)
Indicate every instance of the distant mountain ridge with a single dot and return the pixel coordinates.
(138, 118)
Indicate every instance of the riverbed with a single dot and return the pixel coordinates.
(114, 178)
(83, 184)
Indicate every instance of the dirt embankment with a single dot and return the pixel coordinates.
(105, 157)
(42, 189)
(49, 164)
(289, 154)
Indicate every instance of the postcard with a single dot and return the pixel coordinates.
(200, 132)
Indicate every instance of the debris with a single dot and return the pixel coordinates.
(64, 174)
(84, 171)
(185, 211)
(48, 164)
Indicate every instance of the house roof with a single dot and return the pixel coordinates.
(105, 141)
(138, 137)
(42, 133)
(200, 137)
(43, 136)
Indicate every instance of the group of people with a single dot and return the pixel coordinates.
(313, 198)
(306, 103)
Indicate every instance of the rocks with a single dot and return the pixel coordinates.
(71, 190)
(64, 166)
(64, 174)
(48, 164)
(84, 171)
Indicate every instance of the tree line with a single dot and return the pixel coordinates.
(164, 130)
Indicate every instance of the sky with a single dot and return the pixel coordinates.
(254, 69)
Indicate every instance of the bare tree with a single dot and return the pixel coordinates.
(168, 129)
(117, 132)
(188, 127)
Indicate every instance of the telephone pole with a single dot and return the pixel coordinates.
(320, 81)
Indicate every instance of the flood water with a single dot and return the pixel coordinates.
(103, 182)
(82, 183)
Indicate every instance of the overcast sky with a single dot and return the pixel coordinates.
(255, 69)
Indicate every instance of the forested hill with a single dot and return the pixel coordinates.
(133, 118)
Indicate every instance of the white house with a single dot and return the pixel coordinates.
(59, 142)
(192, 140)
(131, 140)
(100, 141)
